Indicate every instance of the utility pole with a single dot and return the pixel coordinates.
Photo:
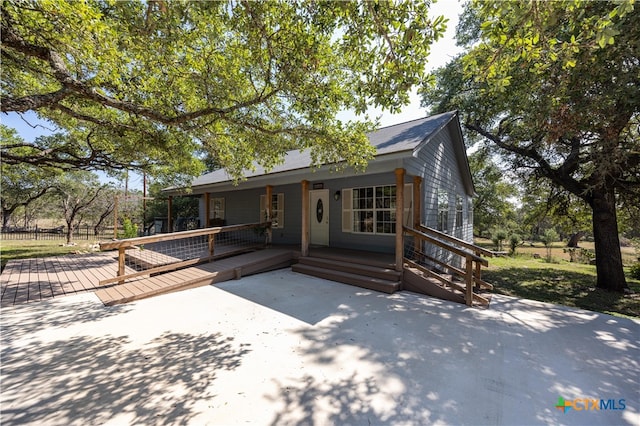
(115, 218)
(144, 201)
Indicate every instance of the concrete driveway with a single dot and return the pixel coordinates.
(283, 348)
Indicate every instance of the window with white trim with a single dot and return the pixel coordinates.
(277, 210)
(372, 209)
(216, 208)
(458, 211)
(443, 210)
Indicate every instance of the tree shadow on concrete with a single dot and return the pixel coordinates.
(62, 312)
(410, 359)
(92, 380)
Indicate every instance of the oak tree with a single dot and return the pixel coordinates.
(554, 87)
(148, 84)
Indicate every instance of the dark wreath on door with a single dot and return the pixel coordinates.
(319, 211)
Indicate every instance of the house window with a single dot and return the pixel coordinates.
(458, 211)
(443, 210)
(363, 210)
(216, 208)
(277, 210)
(372, 210)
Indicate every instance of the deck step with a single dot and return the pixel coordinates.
(368, 282)
(374, 271)
(378, 260)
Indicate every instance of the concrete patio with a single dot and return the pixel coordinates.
(284, 348)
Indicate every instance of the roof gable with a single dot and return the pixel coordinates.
(407, 136)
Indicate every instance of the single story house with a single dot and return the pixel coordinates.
(421, 162)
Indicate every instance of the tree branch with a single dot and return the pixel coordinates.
(11, 39)
(559, 176)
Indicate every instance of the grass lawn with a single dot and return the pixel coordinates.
(26, 249)
(560, 282)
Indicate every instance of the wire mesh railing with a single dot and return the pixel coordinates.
(165, 252)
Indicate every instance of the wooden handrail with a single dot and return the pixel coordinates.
(130, 242)
(476, 249)
(446, 246)
(470, 274)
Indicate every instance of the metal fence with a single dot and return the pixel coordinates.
(58, 233)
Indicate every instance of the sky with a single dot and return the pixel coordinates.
(29, 127)
(441, 53)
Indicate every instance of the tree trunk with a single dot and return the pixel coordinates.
(607, 243)
(575, 239)
(69, 231)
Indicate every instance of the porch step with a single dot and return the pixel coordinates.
(363, 267)
(360, 275)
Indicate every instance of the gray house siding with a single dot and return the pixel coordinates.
(436, 163)
(243, 206)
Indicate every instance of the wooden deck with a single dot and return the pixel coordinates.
(31, 280)
(205, 274)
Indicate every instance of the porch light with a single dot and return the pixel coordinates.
(336, 195)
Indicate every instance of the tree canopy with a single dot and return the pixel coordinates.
(554, 87)
(22, 183)
(148, 84)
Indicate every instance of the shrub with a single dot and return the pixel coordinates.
(129, 229)
(514, 241)
(580, 255)
(635, 271)
(497, 237)
(548, 238)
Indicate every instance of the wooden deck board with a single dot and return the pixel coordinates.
(57, 277)
(83, 270)
(64, 279)
(10, 280)
(46, 291)
(6, 277)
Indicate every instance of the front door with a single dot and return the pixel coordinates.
(319, 220)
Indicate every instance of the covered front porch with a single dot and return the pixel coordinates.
(330, 211)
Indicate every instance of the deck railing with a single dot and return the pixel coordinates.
(166, 252)
(464, 266)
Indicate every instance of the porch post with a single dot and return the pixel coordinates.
(304, 246)
(207, 209)
(417, 211)
(399, 214)
(417, 201)
(268, 206)
(169, 221)
(267, 201)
